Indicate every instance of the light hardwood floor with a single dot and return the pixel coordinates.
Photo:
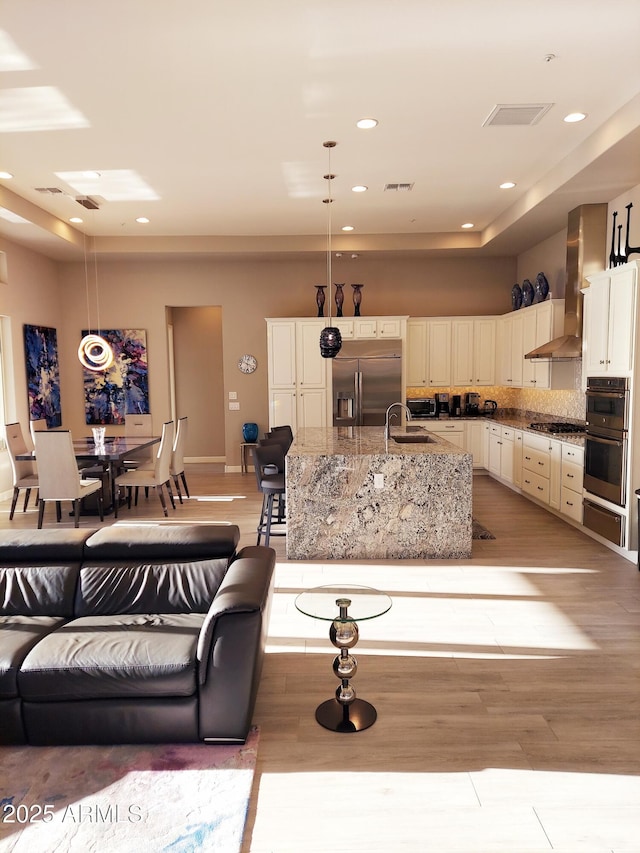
(507, 690)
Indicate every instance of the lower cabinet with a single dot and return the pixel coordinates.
(501, 445)
(453, 431)
(541, 468)
(571, 481)
(298, 408)
(477, 442)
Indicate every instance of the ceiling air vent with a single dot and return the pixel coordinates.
(49, 190)
(398, 188)
(88, 202)
(505, 115)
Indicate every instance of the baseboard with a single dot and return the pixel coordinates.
(205, 459)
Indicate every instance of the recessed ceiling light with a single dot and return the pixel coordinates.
(359, 189)
(347, 227)
(6, 176)
(366, 123)
(573, 117)
(142, 220)
(467, 225)
(76, 220)
(507, 185)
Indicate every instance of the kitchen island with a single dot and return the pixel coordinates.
(352, 494)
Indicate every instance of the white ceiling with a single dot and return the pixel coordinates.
(220, 109)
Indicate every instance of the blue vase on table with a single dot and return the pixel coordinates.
(250, 432)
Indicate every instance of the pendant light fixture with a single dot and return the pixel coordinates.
(330, 337)
(94, 353)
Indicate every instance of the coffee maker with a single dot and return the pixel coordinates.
(456, 406)
(472, 404)
(442, 405)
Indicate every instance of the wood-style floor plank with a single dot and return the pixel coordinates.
(507, 690)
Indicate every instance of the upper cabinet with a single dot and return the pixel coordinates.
(428, 353)
(609, 322)
(474, 351)
(524, 330)
(379, 327)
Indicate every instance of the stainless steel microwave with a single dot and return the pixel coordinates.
(422, 407)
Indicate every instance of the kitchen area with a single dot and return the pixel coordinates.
(544, 398)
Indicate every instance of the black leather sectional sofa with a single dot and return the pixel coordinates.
(131, 634)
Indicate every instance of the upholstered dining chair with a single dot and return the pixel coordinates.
(59, 477)
(139, 425)
(158, 477)
(35, 426)
(176, 468)
(25, 475)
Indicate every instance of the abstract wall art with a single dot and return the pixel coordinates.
(43, 374)
(123, 389)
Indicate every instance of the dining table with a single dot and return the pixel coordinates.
(108, 457)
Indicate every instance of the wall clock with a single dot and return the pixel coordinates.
(247, 363)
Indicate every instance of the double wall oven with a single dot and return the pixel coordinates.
(605, 455)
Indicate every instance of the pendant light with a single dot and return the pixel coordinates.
(330, 337)
(95, 352)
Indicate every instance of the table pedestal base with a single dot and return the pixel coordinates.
(355, 717)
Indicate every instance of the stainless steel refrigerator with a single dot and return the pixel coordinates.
(367, 378)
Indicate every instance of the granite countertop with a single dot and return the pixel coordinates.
(369, 441)
(521, 422)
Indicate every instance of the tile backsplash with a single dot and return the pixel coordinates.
(562, 404)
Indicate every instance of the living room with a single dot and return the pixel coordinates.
(506, 684)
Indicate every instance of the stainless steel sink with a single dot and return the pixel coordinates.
(413, 438)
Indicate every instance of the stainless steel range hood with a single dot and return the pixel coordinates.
(586, 254)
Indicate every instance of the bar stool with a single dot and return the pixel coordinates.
(268, 463)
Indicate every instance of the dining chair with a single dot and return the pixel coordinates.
(139, 425)
(25, 475)
(176, 468)
(158, 477)
(59, 477)
(35, 426)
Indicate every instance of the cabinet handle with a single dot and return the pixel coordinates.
(539, 488)
(569, 503)
(528, 482)
(528, 458)
(540, 463)
(601, 361)
(569, 476)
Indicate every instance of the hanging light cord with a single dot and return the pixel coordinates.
(86, 282)
(328, 201)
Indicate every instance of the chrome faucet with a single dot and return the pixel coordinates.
(391, 414)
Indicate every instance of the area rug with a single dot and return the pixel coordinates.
(118, 799)
(479, 531)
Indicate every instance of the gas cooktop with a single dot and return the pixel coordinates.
(556, 427)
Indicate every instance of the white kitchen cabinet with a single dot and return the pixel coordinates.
(345, 326)
(416, 350)
(517, 458)
(476, 442)
(379, 327)
(473, 351)
(541, 468)
(438, 353)
(297, 373)
(571, 481)
(610, 321)
(511, 352)
(501, 448)
(452, 430)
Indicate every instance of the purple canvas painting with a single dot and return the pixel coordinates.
(43, 374)
(123, 389)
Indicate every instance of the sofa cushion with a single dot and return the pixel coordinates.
(18, 635)
(38, 589)
(42, 546)
(150, 542)
(148, 587)
(114, 657)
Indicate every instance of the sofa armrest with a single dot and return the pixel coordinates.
(231, 647)
(245, 589)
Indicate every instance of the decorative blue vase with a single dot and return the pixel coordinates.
(250, 432)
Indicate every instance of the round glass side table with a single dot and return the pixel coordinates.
(344, 606)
